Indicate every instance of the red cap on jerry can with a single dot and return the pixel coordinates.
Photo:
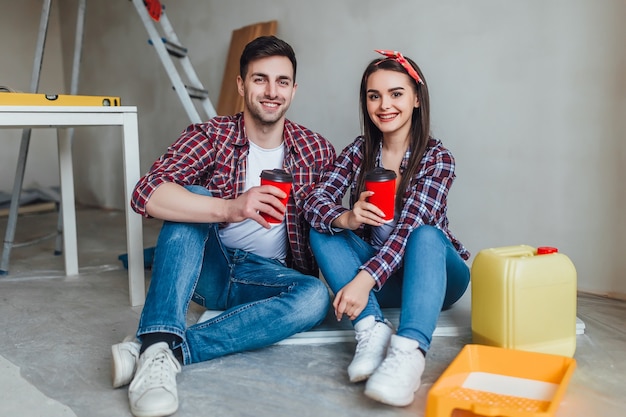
(544, 250)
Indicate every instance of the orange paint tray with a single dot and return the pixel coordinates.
(494, 381)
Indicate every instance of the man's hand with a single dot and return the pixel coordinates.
(249, 205)
(352, 299)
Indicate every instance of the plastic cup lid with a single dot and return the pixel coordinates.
(380, 174)
(278, 175)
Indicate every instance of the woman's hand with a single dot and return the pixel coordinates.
(352, 299)
(362, 213)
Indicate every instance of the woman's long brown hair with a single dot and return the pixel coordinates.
(419, 132)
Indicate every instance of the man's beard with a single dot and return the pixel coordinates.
(263, 118)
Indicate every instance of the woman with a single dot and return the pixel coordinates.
(412, 262)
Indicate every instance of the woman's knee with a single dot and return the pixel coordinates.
(426, 236)
(317, 239)
(320, 243)
(427, 233)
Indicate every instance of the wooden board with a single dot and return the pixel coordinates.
(31, 208)
(230, 101)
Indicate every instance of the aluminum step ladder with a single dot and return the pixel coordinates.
(186, 83)
(9, 243)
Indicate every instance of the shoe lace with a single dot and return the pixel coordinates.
(394, 360)
(158, 370)
(363, 338)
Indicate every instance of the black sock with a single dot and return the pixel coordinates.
(172, 341)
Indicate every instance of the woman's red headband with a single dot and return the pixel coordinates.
(399, 58)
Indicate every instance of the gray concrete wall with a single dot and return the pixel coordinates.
(529, 96)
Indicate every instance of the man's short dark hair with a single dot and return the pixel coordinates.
(263, 47)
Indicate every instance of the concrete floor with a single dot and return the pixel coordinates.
(57, 334)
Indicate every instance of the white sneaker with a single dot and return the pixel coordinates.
(124, 361)
(372, 338)
(399, 376)
(153, 391)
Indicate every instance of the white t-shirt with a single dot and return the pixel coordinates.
(248, 235)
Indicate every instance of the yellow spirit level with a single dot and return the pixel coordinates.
(39, 99)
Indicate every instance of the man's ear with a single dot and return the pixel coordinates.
(240, 85)
(293, 92)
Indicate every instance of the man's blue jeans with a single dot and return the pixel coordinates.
(264, 301)
(433, 277)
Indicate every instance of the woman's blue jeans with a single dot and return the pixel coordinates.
(433, 277)
(264, 301)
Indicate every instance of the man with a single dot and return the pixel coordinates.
(215, 248)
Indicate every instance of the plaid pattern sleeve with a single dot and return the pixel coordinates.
(424, 203)
(324, 204)
(199, 151)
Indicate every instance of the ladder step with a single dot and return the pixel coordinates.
(197, 93)
(172, 48)
(167, 46)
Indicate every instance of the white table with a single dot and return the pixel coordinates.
(67, 117)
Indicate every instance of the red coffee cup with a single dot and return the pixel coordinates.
(383, 183)
(280, 179)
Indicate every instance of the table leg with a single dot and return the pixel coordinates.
(134, 227)
(15, 202)
(66, 170)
